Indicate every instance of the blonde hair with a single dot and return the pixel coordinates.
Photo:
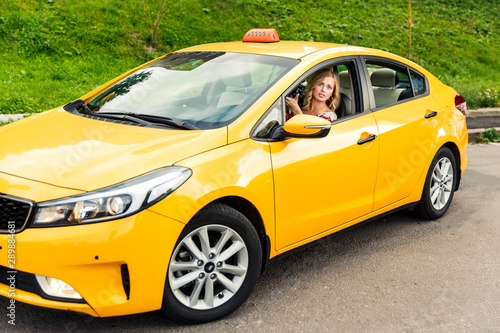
(334, 101)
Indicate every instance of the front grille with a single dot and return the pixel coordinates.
(14, 210)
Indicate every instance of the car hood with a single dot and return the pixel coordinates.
(67, 150)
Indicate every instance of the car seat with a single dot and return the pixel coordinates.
(384, 82)
(345, 105)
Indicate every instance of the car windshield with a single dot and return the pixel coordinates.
(204, 89)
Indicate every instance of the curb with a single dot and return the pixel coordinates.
(487, 112)
(12, 117)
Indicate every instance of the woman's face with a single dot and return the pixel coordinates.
(324, 89)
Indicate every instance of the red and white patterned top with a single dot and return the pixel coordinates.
(329, 115)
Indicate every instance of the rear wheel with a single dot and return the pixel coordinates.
(214, 266)
(439, 186)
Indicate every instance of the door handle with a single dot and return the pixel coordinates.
(368, 139)
(430, 115)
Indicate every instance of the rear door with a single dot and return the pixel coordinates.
(407, 119)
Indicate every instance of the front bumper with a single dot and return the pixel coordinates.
(90, 259)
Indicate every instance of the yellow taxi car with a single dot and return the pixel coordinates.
(173, 185)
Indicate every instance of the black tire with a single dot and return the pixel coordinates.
(199, 277)
(439, 186)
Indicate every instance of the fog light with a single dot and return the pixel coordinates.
(57, 288)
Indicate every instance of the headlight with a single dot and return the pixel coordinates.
(112, 202)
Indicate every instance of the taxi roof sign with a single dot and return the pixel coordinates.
(261, 36)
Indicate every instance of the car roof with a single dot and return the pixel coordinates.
(287, 49)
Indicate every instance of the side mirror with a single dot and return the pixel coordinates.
(303, 126)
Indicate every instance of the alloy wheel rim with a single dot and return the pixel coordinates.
(441, 183)
(208, 267)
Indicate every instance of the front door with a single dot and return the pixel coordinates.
(323, 183)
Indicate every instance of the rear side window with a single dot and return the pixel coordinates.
(389, 84)
(418, 83)
(393, 82)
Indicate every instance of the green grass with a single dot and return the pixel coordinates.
(54, 51)
(489, 135)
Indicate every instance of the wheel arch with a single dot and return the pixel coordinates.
(456, 153)
(451, 145)
(246, 208)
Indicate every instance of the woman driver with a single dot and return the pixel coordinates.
(322, 96)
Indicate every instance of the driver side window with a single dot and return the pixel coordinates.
(345, 106)
(279, 113)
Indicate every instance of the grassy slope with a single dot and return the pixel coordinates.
(54, 51)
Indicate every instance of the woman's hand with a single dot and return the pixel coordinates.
(293, 104)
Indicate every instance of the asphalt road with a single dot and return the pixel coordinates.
(396, 274)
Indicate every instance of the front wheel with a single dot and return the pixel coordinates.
(214, 266)
(439, 186)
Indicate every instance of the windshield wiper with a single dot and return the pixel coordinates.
(167, 121)
(147, 120)
(124, 116)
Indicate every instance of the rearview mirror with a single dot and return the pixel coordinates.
(303, 126)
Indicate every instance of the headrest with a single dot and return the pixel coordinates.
(384, 77)
(236, 77)
(344, 80)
